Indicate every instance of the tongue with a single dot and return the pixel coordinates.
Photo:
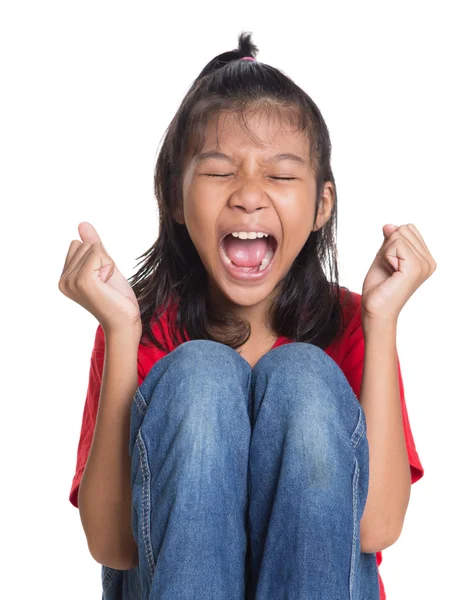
(245, 253)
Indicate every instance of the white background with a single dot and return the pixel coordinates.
(88, 89)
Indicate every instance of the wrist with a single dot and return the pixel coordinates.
(379, 326)
(127, 335)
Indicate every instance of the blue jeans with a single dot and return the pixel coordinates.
(248, 483)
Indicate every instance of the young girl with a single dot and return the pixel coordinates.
(245, 432)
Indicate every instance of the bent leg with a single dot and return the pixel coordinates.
(308, 481)
(189, 446)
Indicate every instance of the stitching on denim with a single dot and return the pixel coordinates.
(108, 577)
(359, 430)
(344, 388)
(354, 536)
(145, 504)
(140, 403)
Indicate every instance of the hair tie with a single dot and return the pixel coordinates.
(249, 58)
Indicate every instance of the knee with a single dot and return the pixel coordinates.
(301, 370)
(197, 375)
(295, 355)
(312, 389)
(196, 360)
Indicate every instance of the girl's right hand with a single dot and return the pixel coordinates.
(91, 278)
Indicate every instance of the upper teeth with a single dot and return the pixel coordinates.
(243, 235)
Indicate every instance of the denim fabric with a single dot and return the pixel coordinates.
(248, 483)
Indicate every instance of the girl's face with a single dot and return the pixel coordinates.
(249, 193)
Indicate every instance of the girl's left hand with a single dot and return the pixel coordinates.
(401, 265)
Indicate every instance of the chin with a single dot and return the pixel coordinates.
(244, 296)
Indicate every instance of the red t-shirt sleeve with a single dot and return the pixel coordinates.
(90, 411)
(353, 369)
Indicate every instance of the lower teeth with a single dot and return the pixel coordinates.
(266, 261)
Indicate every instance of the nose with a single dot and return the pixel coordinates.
(249, 197)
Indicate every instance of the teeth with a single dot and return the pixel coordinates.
(225, 256)
(267, 259)
(251, 235)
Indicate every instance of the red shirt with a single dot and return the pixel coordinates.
(347, 352)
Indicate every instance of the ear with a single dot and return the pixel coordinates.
(326, 206)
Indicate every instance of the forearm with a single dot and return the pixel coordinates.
(105, 494)
(389, 481)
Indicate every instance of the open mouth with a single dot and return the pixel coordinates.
(261, 266)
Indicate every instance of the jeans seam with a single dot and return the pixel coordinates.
(140, 403)
(354, 519)
(344, 388)
(145, 504)
(359, 429)
(109, 575)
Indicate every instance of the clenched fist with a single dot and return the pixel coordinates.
(91, 278)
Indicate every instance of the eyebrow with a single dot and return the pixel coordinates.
(274, 158)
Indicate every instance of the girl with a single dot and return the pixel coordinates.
(245, 432)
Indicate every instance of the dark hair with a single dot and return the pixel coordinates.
(307, 307)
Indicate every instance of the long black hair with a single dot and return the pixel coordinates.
(308, 306)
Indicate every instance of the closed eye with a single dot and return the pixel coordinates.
(227, 175)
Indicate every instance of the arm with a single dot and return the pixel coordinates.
(390, 479)
(105, 494)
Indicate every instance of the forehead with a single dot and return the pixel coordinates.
(269, 136)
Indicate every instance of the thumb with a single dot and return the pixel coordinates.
(388, 229)
(88, 233)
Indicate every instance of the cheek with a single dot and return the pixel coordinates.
(201, 225)
(195, 209)
(299, 222)
(297, 229)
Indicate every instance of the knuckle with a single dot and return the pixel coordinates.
(70, 284)
(80, 283)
